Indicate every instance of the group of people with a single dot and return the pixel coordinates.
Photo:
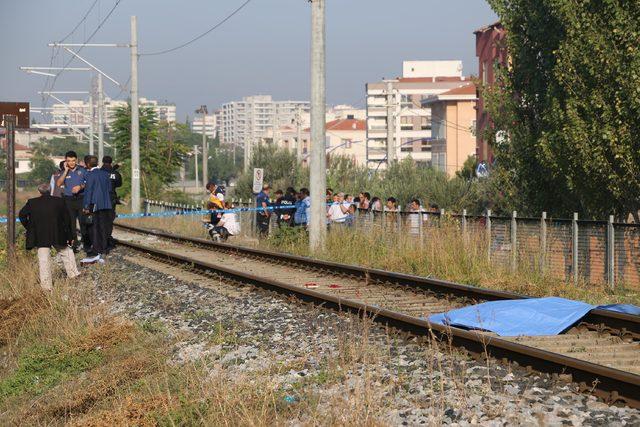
(78, 205)
(292, 208)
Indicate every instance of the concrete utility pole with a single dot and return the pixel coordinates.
(248, 142)
(91, 124)
(299, 145)
(100, 118)
(318, 170)
(10, 126)
(205, 147)
(195, 153)
(391, 124)
(135, 121)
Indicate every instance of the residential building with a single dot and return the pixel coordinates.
(398, 101)
(251, 119)
(343, 112)
(77, 113)
(491, 50)
(345, 137)
(453, 117)
(23, 154)
(210, 125)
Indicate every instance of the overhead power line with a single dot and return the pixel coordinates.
(219, 24)
(84, 18)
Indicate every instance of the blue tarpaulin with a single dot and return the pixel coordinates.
(532, 316)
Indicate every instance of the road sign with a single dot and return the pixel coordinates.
(258, 179)
(18, 109)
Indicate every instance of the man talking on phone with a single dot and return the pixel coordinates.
(72, 181)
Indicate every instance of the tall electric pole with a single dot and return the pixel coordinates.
(299, 146)
(135, 120)
(318, 179)
(205, 146)
(195, 153)
(100, 118)
(391, 123)
(91, 119)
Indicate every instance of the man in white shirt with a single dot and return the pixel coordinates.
(415, 218)
(339, 210)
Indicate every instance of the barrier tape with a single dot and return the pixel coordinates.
(3, 220)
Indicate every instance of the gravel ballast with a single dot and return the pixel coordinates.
(340, 362)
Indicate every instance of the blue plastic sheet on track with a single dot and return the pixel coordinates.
(531, 317)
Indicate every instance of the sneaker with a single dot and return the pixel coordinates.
(91, 260)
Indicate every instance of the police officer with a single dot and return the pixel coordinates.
(116, 182)
(72, 181)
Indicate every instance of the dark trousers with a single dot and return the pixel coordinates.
(99, 229)
(262, 222)
(74, 207)
(222, 232)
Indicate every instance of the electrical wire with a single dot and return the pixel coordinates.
(84, 18)
(219, 24)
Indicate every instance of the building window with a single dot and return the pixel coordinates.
(406, 123)
(485, 77)
(406, 101)
(346, 143)
(425, 146)
(425, 123)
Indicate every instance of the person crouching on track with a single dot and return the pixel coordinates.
(48, 225)
(228, 225)
(215, 202)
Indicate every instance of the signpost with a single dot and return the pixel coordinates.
(258, 179)
(12, 115)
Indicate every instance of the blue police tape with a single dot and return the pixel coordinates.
(3, 220)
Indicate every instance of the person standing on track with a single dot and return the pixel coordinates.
(97, 204)
(263, 215)
(72, 181)
(116, 182)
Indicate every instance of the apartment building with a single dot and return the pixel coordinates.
(453, 119)
(77, 113)
(491, 50)
(394, 109)
(344, 137)
(255, 117)
(210, 125)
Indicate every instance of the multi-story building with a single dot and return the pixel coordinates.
(77, 113)
(453, 118)
(251, 120)
(491, 50)
(395, 111)
(210, 125)
(344, 137)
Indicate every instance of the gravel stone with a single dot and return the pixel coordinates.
(243, 330)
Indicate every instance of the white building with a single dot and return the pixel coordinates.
(251, 119)
(77, 113)
(398, 101)
(210, 125)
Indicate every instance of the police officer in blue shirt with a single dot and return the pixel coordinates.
(72, 180)
(263, 215)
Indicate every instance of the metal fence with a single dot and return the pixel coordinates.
(570, 249)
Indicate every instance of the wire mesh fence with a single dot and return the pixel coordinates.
(569, 249)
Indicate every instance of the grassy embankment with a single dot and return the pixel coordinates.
(443, 254)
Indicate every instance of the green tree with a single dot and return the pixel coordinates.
(468, 171)
(41, 168)
(569, 105)
(161, 151)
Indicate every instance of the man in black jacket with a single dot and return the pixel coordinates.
(48, 225)
(116, 182)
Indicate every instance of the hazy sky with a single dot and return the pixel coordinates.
(262, 50)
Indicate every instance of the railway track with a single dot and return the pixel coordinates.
(601, 354)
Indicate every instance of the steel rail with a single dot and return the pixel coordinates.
(626, 324)
(610, 384)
